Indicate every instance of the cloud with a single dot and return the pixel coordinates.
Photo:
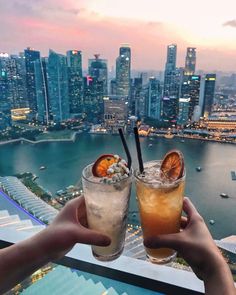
(230, 23)
(69, 24)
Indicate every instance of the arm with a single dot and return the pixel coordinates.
(69, 227)
(195, 244)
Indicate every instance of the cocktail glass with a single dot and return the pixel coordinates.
(107, 209)
(160, 206)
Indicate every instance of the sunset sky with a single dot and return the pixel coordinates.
(101, 26)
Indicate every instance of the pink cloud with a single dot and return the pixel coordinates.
(68, 25)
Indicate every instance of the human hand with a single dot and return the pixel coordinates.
(67, 229)
(194, 243)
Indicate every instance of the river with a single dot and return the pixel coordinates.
(64, 162)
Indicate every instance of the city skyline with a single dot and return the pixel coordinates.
(64, 25)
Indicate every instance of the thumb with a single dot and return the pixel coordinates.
(169, 241)
(92, 237)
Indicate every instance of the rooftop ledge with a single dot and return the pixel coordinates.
(136, 272)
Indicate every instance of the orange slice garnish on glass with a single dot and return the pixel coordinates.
(102, 164)
(172, 165)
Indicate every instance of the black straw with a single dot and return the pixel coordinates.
(125, 147)
(140, 161)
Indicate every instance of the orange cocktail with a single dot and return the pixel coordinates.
(160, 206)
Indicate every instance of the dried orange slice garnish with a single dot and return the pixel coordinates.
(102, 164)
(172, 165)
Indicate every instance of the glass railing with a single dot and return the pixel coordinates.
(79, 273)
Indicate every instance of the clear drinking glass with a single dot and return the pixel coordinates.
(107, 209)
(160, 206)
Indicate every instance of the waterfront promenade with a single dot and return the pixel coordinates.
(22, 139)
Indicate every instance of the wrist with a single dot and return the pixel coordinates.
(41, 245)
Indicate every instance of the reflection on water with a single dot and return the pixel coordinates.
(64, 162)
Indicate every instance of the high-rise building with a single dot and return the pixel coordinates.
(93, 100)
(190, 61)
(75, 81)
(154, 99)
(134, 101)
(58, 86)
(31, 56)
(5, 104)
(95, 89)
(172, 77)
(208, 94)
(115, 113)
(113, 87)
(42, 97)
(123, 66)
(183, 114)
(191, 90)
(19, 81)
(98, 71)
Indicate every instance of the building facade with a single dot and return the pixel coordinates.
(31, 56)
(75, 81)
(123, 67)
(154, 99)
(172, 78)
(42, 96)
(190, 61)
(191, 90)
(58, 87)
(208, 94)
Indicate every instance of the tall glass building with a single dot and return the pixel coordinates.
(58, 87)
(75, 81)
(154, 99)
(209, 93)
(31, 56)
(5, 104)
(123, 65)
(134, 101)
(41, 85)
(191, 90)
(171, 86)
(190, 61)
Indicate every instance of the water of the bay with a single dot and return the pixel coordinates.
(64, 162)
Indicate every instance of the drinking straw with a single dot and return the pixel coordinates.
(140, 161)
(125, 147)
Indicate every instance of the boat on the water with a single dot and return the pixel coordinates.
(212, 221)
(224, 195)
(42, 167)
(198, 169)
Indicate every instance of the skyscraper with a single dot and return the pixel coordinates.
(191, 90)
(171, 86)
(95, 87)
(134, 102)
(18, 78)
(154, 99)
(190, 61)
(208, 94)
(31, 56)
(42, 96)
(183, 113)
(98, 71)
(75, 79)
(123, 65)
(5, 104)
(58, 86)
